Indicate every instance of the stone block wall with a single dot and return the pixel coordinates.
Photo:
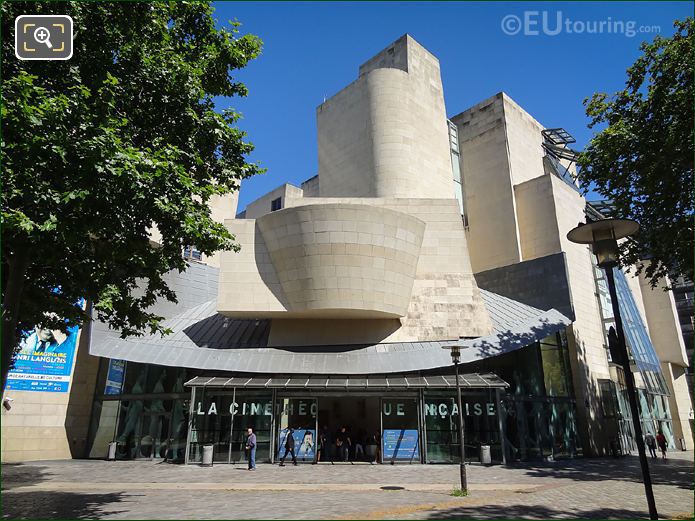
(44, 425)
(344, 259)
(443, 301)
(542, 283)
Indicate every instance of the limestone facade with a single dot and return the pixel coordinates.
(665, 332)
(385, 135)
(517, 212)
(380, 235)
(374, 248)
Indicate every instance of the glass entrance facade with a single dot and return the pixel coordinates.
(149, 414)
(145, 411)
(220, 417)
(538, 410)
(653, 393)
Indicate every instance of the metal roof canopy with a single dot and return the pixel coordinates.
(467, 381)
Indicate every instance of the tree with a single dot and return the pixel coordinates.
(643, 159)
(103, 149)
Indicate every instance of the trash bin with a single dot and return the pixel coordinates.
(207, 455)
(485, 457)
(112, 451)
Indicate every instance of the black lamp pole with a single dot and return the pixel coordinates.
(464, 478)
(603, 236)
(632, 395)
(456, 358)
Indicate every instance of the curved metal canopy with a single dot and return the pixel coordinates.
(204, 339)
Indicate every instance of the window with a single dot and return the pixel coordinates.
(276, 204)
(609, 402)
(456, 171)
(191, 253)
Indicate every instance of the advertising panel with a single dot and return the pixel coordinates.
(114, 377)
(304, 443)
(401, 444)
(44, 361)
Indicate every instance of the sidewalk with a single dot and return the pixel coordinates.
(590, 488)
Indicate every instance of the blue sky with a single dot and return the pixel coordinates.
(313, 49)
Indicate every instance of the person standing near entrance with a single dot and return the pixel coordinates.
(661, 442)
(251, 448)
(377, 438)
(359, 444)
(289, 447)
(325, 449)
(650, 442)
(342, 443)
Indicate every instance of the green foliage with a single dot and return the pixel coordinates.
(458, 492)
(101, 150)
(643, 159)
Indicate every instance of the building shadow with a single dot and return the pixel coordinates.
(19, 475)
(535, 512)
(59, 505)
(674, 472)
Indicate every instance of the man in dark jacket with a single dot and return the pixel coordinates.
(289, 447)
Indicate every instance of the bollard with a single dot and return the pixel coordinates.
(112, 451)
(207, 455)
(485, 456)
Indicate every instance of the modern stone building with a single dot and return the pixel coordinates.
(418, 232)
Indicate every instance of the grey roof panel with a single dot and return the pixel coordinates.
(206, 340)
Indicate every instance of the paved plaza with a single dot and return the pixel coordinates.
(590, 489)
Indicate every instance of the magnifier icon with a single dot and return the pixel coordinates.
(42, 35)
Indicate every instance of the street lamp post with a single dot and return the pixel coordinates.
(603, 236)
(456, 358)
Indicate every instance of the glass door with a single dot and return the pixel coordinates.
(400, 433)
(298, 416)
(153, 431)
(211, 424)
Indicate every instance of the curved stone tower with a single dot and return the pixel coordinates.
(385, 135)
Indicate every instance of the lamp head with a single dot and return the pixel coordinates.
(455, 352)
(603, 236)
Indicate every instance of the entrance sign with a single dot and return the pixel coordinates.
(443, 409)
(401, 444)
(244, 409)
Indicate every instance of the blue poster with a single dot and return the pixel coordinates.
(401, 444)
(44, 361)
(304, 446)
(114, 377)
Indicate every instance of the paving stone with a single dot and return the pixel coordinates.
(571, 489)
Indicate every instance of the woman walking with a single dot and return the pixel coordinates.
(661, 442)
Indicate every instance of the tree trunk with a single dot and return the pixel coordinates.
(17, 267)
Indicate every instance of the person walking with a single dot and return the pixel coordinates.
(251, 448)
(661, 442)
(289, 447)
(650, 442)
